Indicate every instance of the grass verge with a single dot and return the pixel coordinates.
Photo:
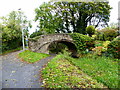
(103, 69)
(60, 73)
(31, 57)
(9, 51)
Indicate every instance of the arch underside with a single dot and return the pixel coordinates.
(72, 48)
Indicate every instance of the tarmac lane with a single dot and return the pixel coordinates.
(18, 74)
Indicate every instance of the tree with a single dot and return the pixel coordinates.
(48, 21)
(11, 29)
(67, 17)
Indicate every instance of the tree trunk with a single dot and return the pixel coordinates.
(81, 24)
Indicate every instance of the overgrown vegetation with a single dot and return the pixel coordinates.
(36, 33)
(106, 34)
(114, 48)
(31, 57)
(103, 69)
(11, 27)
(62, 72)
(82, 42)
(100, 47)
(90, 30)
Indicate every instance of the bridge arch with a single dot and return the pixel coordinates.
(70, 45)
(41, 43)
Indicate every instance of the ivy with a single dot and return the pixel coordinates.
(81, 41)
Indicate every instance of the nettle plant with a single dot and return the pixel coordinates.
(82, 42)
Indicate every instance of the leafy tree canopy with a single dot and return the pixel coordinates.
(65, 16)
(12, 24)
(11, 27)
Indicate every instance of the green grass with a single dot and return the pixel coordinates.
(60, 73)
(103, 69)
(31, 57)
(9, 51)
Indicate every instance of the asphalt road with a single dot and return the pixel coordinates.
(18, 74)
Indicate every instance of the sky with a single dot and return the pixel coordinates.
(28, 7)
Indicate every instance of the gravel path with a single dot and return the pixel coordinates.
(18, 74)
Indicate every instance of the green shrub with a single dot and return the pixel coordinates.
(100, 47)
(34, 34)
(82, 42)
(98, 43)
(105, 44)
(90, 30)
(117, 38)
(94, 37)
(98, 50)
(114, 48)
(106, 34)
(11, 44)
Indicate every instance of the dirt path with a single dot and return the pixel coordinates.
(17, 74)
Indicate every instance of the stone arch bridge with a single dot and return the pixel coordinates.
(41, 43)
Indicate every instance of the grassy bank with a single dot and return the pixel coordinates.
(66, 72)
(103, 69)
(31, 57)
(60, 73)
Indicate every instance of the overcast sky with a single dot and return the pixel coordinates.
(28, 7)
